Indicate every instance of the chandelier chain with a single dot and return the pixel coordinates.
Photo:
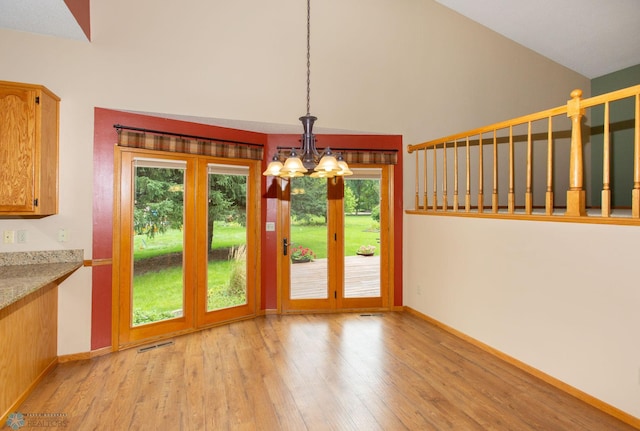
(308, 57)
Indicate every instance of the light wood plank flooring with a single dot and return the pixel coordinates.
(389, 371)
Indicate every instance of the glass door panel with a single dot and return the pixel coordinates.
(187, 230)
(362, 234)
(307, 246)
(228, 224)
(226, 236)
(158, 241)
(334, 249)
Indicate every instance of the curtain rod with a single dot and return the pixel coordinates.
(342, 150)
(182, 135)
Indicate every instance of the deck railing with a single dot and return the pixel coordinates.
(544, 168)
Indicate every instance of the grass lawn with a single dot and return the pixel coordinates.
(159, 294)
(225, 236)
(359, 230)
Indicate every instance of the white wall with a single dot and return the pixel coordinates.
(409, 67)
(561, 297)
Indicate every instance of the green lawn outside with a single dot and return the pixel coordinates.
(159, 294)
(359, 230)
(225, 236)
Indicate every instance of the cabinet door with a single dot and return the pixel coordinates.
(17, 149)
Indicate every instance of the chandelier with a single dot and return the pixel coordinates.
(308, 160)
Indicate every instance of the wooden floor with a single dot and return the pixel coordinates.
(389, 371)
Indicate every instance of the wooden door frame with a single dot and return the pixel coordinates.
(386, 247)
(283, 271)
(195, 213)
(123, 332)
(208, 318)
(386, 238)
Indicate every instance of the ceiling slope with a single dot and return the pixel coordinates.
(61, 18)
(591, 37)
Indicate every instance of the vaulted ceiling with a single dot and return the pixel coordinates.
(61, 18)
(591, 37)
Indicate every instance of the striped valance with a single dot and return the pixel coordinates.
(190, 145)
(355, 157)
(373, 157)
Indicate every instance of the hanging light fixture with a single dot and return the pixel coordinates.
(308, 160)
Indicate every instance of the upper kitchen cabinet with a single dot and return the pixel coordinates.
(29, 128)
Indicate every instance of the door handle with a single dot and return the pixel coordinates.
(285, 246)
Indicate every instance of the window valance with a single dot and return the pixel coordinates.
(356, 156)
(160, 141)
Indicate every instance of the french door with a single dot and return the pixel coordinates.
(334, 242)
(186, 241)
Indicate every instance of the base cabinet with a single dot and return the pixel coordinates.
(29, 130)
(28, 331)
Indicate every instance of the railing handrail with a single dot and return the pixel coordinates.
(541, 115)
(574, 110)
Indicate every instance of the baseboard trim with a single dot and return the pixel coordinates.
(559, 384)
(85, 355)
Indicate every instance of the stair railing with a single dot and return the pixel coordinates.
(482, 151)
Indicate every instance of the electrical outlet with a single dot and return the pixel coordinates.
(63, 235)
(419, 289)
(21, 236)
(8, 236)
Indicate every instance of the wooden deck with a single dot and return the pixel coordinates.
(361, 278)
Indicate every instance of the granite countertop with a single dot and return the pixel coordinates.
(23, 273)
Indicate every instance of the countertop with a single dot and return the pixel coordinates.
(23, 273)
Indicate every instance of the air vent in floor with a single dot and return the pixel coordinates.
(155, 346)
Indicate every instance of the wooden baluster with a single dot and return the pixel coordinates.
(424, 178)
(445, 202)
(435, 179)
(455, 176)
(528, 198)
(511, 196)
(494, 197)
(467, 198)
(606, 166)
(480, 176)
(416, 204)
(576, 194)
(635, 194)
(549, 195)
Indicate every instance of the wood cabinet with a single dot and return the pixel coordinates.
(29, 128)
(29, 334)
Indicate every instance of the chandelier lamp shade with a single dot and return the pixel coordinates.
(308, 160)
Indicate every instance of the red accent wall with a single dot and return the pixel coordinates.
(105, 137)
(336, 142)
(104, 140)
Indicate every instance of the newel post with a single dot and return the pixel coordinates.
(576, 206)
